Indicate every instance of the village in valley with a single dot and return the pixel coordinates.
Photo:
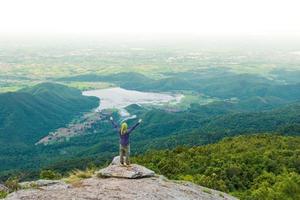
(78, 127)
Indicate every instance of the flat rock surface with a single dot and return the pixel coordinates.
(123, 189)
(118, 171)
(133, 182)
(41, 183)
(132, 171)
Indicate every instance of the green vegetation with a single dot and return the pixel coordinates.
(50, 175)
(207, 191)
(30, 114)
(74, 177)
(242, 86)
(249, 167)
(83, 86)
(162, 129)
(12, 183)
(3, 194)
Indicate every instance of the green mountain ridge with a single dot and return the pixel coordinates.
(198, 126)
(242, 86)
(30, 114)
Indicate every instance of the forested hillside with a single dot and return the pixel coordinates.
(250, 167)
(166, 130)
(209, 123)
(30, 114)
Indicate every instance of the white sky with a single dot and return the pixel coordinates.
(151, 16)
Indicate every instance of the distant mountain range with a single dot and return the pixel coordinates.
(242, 86)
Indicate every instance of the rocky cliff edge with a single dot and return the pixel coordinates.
(118, 182)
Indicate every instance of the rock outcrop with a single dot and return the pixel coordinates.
(41, 183)
(134, 182)
(117, 171)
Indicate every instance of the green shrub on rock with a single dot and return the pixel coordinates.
(3, 194)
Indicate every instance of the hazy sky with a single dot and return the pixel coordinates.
(256, 17)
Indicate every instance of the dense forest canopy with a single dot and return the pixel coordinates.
(250, 167)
